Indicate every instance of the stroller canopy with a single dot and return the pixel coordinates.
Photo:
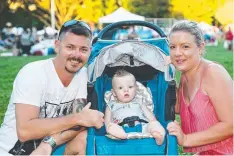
(127, 53)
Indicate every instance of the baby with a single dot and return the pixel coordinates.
(128, 108)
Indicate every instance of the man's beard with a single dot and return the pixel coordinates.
(74, 59)
(71, 72)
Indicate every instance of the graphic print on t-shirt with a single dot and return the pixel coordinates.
(53, 110)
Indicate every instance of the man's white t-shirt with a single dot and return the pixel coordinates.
(38, 84)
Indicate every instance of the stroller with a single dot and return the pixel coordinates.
(145, 60)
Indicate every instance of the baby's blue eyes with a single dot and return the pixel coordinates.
(128, 87)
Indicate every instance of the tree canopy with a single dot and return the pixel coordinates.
(150, 8)
(92, 10)
(88, 10)
(197, 10)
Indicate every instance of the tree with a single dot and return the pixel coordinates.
(18, 17)
(150, 8)
(39, 12)
(88, 10)
(198, 10)
(3, 5)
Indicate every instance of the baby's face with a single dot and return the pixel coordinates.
(124, 88)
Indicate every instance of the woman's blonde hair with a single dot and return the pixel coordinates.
(190, 27)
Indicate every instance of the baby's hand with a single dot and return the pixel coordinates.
(116, 130)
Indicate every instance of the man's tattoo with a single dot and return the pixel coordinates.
(78, 105)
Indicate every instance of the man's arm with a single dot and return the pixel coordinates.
(60, 138)
(78, 105)
(30, 126)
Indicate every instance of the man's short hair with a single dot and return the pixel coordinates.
(76, 27)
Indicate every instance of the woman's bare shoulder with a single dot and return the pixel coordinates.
(215, 73)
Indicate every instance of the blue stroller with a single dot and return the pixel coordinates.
(145, 60)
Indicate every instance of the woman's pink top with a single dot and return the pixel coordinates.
(200, 115)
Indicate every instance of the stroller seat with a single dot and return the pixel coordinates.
(149, 70)
(106, 146)
(102, 145)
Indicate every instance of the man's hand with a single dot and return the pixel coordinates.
(42, 149)
(91, 118)
(174, 129)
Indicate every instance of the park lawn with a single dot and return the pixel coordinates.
(9, 67)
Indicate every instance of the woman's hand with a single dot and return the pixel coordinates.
(175, 129)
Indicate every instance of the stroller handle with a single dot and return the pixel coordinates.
(128, 23)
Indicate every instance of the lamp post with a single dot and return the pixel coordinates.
(52, 14)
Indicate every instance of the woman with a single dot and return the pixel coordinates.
(205, 101)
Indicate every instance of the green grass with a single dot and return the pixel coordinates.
(9, 67)
(222, 56)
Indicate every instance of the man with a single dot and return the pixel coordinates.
(46, 98)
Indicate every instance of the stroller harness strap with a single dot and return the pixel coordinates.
(131, 121)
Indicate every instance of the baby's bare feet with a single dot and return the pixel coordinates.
(157, 131)
(158, 137)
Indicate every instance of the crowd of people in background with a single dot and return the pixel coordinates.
(213, 34)
(21, 41)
